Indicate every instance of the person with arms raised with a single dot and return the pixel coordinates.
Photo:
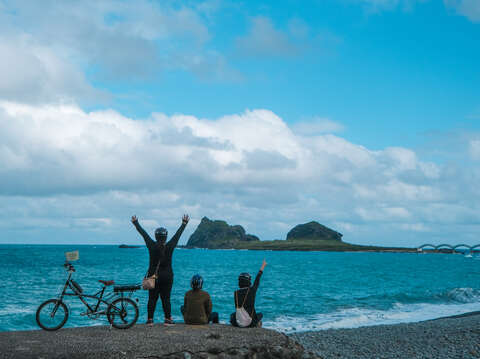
(160, 265)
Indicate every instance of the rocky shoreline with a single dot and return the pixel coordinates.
(179, 341)
(446, 338)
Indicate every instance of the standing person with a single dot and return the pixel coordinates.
(160, 251)
(197, 305)
(245, 297)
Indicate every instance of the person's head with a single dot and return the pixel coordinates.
(244, 280)
(161, 235)
(196, 282)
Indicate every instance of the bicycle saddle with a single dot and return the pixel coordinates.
(107, 282)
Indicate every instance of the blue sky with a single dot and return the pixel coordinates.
(360, 114)
(396, 71)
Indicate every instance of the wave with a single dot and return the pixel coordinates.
(457, 301)
(452, 296)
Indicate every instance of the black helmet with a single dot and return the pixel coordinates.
(161, 234)
(196, 282)
(244, 280)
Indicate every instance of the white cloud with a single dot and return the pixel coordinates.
(45, 58)
(468, 8)
(474, 147)
(35, 73)
(64, 168)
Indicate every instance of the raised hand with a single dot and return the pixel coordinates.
(264, 264)
(185, 218)
(134, 218)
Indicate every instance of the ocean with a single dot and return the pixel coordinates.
(299, 291)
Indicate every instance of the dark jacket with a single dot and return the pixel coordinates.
(158, 252)
(197, 307)
(239, 297)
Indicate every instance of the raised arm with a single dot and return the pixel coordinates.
(259, 275)
(172, 243)
(148, 241)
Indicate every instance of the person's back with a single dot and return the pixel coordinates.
(197, 305)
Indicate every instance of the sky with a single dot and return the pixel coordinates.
(363, 115)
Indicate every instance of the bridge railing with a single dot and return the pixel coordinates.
(437, 247)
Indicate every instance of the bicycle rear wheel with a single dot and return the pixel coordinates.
(51, 314)
(122, 313)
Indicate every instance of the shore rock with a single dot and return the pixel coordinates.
(175, 342)
(218, 234)
(313, 231)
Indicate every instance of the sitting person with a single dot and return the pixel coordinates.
(197, 305)
(245, 298)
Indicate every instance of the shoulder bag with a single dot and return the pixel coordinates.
(241, 315)
(149, 282)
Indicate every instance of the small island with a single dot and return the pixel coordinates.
(311, 236)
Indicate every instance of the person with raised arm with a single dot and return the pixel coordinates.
(246, 315)
(160, 252)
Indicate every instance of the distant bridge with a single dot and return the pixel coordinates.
(448, 246)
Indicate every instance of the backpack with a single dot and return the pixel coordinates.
(241, 315)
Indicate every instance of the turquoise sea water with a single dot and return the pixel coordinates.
(299, 290)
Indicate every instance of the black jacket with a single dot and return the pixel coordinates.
(158, 252)
(239, 295)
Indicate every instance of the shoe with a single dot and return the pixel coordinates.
(169, 321)
(150, 322)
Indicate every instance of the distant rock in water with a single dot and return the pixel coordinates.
(218, 234)
(313, 231)
(127, 246)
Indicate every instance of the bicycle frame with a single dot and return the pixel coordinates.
(99, 296)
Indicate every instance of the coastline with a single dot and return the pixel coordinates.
(449, 337)
(455, 336)
(179, 341)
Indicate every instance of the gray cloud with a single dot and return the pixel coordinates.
(468, 8)
(264, 39)
(382, 5)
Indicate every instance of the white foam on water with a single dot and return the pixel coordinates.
(360, 317)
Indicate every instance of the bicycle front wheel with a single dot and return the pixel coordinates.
(122, 313)
(52, 314)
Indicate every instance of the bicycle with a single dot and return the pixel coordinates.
(121, 310)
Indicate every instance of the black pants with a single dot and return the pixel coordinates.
(212, 318)
(163, 288)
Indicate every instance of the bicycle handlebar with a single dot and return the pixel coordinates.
(69, 267)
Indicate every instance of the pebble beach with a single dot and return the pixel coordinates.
(446, 338)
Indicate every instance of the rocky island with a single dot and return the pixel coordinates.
(218, 235)
(311, 236)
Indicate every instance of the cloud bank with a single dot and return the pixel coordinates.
(66, 168)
